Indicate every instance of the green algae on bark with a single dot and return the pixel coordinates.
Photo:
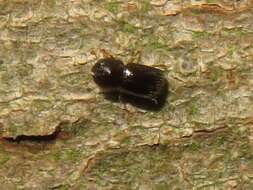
(46, 52)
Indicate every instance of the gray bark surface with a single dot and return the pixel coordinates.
(59, 132)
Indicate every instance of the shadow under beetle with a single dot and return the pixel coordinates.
(140, 85)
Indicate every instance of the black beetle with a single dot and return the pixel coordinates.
(141, 85)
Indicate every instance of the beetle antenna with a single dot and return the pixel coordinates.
(106, 53)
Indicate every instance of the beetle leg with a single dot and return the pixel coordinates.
(93, 52)
(122, 102)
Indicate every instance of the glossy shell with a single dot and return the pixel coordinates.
(144, 82)
(107, 73)
(138, 84)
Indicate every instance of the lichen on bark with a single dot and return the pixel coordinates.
(59, 132)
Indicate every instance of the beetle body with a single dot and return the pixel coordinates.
(137, 82)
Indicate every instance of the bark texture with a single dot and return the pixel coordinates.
(59, 132)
